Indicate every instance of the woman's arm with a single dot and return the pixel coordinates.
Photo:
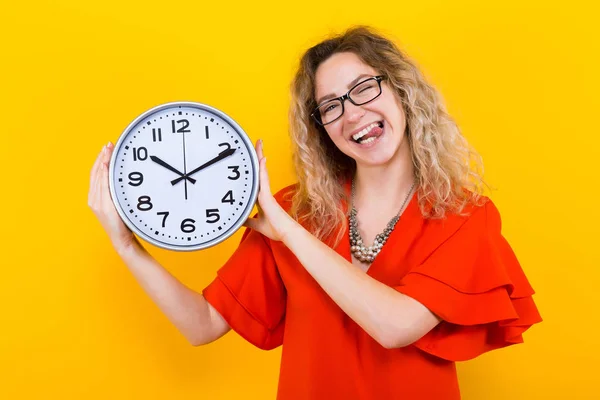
(195, 318)
(391, 318)
(188, 310)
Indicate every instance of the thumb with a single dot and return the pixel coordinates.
(251, 223)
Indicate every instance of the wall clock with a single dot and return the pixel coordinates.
(184, 176)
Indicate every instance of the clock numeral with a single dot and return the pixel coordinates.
(183, 129)
(236, 171)
(144, 203)
(136, 178)
(228, 198)
(140, 153)
(156, 134)
(212, 212)
(226, 145)
(166, 214)
(187, 225)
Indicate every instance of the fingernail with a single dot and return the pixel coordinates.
(108, 145)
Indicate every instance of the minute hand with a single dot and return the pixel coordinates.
(221, 156)
(170, 168)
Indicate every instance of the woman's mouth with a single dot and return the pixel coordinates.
(369, 134)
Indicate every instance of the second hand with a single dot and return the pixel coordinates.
(184, 167)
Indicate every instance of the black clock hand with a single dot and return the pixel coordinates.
(221, 156)
(167, 166)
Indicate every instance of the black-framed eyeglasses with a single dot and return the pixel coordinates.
(361, 93)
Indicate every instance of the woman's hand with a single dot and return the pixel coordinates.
(101, 204)
(272, 220)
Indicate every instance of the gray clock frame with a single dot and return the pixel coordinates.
(255, 173)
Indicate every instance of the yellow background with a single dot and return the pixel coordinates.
(521, 78)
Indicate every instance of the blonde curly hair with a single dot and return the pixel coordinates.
(448, 171)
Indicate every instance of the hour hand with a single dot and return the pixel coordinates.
(222, 155)
(170, 168)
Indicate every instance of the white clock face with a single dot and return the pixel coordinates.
(184, 176)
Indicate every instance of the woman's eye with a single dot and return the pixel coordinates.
(330, 108)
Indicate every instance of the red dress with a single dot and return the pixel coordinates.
(461, 268)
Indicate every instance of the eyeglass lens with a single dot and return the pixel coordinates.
(361, 94)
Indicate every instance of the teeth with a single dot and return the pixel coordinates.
(369, 140)
(366, 130)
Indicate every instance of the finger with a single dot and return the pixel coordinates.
(105, 197)
(259, 149)
(107, 154)
(264, 176)
(94, 176)
(102, 180)
(250, 223)
(109, 151)
(96, 163)
(104, 155)
(96, 166)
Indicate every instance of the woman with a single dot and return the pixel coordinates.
(382, 266)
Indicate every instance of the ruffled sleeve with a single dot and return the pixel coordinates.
(475, 284)
(249, 294)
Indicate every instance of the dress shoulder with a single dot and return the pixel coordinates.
(473, 281)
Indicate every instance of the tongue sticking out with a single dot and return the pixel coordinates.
(372, 133)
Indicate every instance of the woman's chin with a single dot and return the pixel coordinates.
(381, 154)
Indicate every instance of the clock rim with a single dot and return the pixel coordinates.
(253, 193)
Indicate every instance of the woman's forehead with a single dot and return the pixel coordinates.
(338, 73)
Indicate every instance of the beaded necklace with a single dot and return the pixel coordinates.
(368, 254)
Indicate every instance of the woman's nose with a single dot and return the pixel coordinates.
(353, 113)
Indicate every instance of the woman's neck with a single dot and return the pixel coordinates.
(385, 187)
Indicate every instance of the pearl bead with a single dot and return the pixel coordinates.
(360, 251)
